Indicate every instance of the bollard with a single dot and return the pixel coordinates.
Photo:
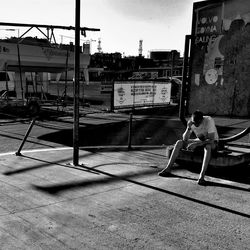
(130, 131)
(18, 153)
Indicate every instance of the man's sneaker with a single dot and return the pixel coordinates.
(165, 174)
(201, 182)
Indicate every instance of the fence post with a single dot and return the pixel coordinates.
(130, 131)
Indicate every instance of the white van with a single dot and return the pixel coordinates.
(7, 78)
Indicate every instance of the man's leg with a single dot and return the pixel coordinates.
(206, 159)
(178, 146)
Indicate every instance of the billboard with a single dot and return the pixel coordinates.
(220, 60)
(133, 94)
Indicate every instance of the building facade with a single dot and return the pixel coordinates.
(220, 59)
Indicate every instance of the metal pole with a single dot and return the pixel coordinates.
(185, 80)
(130, 131)
(76, 85)
(6, 82)
(20, 68)
(66, 76)
(18, 153)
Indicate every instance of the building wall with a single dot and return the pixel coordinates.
(220, 80)
(165, 55)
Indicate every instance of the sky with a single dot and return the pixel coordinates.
(161, 24)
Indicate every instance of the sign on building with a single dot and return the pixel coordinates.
(134, 94)
(221, 58)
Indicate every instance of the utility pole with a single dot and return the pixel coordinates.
(76, 84)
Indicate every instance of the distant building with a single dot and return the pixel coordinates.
(163, 55)
(112, 66)
(168, 63)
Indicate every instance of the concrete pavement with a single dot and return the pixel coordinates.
(116, 200)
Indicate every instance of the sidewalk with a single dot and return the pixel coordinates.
(117, 201)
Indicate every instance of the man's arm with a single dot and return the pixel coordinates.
(202, 141)
(210, 137)
(206, 139)
(188, 131)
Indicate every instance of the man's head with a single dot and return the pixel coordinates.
(197, 118)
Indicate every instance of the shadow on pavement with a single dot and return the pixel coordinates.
(121, 148)
(214, 184)
(57, 188)
(45, 164)
(240, 174)
(146, 131)
(27, 141)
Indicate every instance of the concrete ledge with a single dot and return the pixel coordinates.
(229, 157)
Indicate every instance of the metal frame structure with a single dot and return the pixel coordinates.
(50, 35)
(50, 29)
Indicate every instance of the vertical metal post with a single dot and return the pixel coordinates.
(76, 84)
(130, 131)
(6, 82)
(20, 68)
(184, 80)
(66, 77)
(112, 97)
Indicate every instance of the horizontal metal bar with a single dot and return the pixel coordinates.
(47, 26)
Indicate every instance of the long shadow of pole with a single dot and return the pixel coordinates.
(56, 188)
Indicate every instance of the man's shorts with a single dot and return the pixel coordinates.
(199, 148)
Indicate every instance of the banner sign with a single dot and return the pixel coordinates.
(128, 94)
(220, 58)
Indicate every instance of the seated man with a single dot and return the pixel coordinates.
(207, 137)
